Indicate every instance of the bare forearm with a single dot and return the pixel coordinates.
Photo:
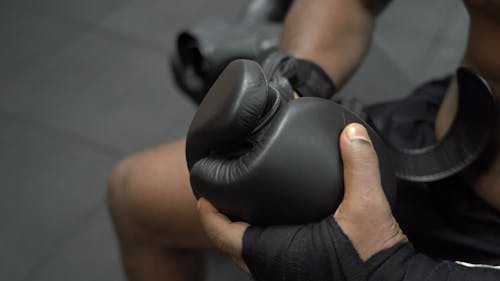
(335, 34)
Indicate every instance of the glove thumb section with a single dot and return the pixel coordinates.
(232, 109)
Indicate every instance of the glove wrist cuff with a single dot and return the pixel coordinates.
(305, 77)
(311, 80)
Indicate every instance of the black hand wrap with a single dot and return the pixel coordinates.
(322, 252)
(307, 78)
(317, 251)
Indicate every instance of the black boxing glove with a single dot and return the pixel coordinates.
(261, 157)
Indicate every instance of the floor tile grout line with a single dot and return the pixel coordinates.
(64, 135)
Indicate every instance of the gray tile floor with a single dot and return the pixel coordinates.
(83, 83)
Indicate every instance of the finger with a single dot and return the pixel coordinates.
(227, 236)
(241, 263)
(361, 168)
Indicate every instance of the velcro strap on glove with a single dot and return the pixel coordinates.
(306, 78)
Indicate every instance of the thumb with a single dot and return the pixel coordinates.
(362, 183)
(364, 214)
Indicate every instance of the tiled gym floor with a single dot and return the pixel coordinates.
(84, 83)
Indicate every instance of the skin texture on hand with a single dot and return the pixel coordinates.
(364, 214)
(226, 236)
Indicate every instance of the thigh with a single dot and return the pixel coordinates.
(155, 198)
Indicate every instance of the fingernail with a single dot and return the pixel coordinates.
(356, 132)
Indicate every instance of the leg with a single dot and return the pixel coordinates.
(155, 216)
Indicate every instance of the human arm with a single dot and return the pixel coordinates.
(335, 34)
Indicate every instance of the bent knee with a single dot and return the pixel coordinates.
(127, 189)
(128, 184)
(149, 195)
(117, 184)
(152, 189)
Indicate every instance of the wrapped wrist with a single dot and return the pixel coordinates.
(306, 78)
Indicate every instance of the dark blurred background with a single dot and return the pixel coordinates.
(84, 83)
